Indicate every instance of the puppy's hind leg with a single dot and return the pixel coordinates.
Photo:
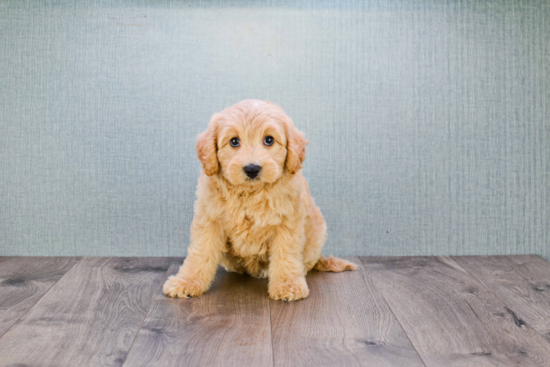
(232, 265)
(334, 264)
(256, 268)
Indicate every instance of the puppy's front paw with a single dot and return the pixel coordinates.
(178, 287)
(289, 290)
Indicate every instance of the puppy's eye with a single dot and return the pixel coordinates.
(268, 140)
(234, 142)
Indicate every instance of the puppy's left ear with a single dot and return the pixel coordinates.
(296, 148)
(207, 148)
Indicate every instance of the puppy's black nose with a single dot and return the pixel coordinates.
(252, 170)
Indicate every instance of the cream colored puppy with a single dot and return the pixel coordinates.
(254, 213)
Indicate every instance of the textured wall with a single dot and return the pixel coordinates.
(428, 121)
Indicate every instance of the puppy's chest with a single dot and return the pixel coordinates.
(250, 226)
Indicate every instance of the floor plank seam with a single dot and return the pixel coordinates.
(271, 332)
(391, 310)
(38, 300)
(147, 313)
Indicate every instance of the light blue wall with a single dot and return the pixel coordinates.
(428, 121)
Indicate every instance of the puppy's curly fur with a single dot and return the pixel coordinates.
(267, 226)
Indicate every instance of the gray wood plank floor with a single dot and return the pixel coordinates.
(90, 317)
(411, 311)
(451, 318)
(344, 322)
(229, 325)
(522, 282)
(23, 281)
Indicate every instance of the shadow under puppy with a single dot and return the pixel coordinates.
(254, 213)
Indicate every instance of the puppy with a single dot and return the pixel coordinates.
(254, 213)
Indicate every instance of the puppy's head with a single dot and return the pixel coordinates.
(251, 143)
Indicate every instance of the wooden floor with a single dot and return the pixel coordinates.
(406, 311)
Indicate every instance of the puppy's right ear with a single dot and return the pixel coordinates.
(207, 148)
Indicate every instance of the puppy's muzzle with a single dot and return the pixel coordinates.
(252, 170)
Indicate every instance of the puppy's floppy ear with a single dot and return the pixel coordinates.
(207, 148)
(296, 148)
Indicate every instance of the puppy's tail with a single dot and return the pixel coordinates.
(334, 264)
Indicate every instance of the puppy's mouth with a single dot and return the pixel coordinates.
(253, 182)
